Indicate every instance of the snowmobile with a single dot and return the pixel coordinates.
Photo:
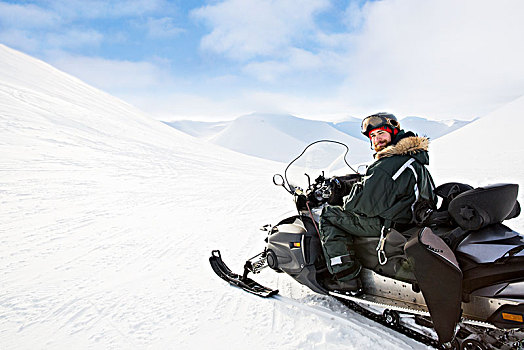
(455, 284)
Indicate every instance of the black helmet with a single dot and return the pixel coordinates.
(379, 120)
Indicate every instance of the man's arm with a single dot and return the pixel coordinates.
(374, 197)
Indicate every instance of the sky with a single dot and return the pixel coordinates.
(318, 59)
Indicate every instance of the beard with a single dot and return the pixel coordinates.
(380, 146)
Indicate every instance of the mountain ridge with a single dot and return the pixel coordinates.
(248, 133)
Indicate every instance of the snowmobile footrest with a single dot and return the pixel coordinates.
(237, 280)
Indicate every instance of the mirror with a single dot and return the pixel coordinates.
(278, 180)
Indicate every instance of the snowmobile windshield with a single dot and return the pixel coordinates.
(325, 157)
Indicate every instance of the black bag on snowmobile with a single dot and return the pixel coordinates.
(469, 208)
(483, 206)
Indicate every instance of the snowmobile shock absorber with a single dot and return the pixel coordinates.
(254, 266)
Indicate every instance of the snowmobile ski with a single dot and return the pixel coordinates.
(237, 280)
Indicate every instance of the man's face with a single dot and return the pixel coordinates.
(380, 139)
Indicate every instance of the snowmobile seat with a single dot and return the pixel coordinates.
(397, 265)
(483, 206)
(440, 280)
(491, 255)
(485, 275)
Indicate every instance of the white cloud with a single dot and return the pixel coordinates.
(353, 15)
(172, 106)
(163, 27)
(21, 39)
(320, 108)
(295, 62)
(440, 58)
(74, 9)
(445, 57)
(74, 39)
(179, 105)
(26, 16)
(65, 24)
(267, 71)
(113, 75)
(243, 29)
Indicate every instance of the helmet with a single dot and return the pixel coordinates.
(378, 120)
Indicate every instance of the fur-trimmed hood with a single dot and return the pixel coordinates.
(405, 146)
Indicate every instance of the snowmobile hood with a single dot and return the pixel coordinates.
(414, 146)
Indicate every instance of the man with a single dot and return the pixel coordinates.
(385, 199)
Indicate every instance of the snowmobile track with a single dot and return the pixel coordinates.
(381, 319)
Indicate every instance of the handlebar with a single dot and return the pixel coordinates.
(330, 191)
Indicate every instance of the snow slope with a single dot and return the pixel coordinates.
(487, 151)
(108, 219)
(491, 146)
(204, 130)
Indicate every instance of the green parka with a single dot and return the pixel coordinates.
(391, 186)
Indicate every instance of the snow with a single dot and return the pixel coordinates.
(108, 219)
(490, 146)
(487, 151)
(277, 137)
(431, 128)
(204, 130)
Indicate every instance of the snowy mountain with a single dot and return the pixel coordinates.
(421, 126)
(350, 126)
(108, 219)
(250, 134)
(282, 137)
(432, 128)
(203, 130)
(489, 146)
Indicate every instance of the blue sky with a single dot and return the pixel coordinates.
(318, 59)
